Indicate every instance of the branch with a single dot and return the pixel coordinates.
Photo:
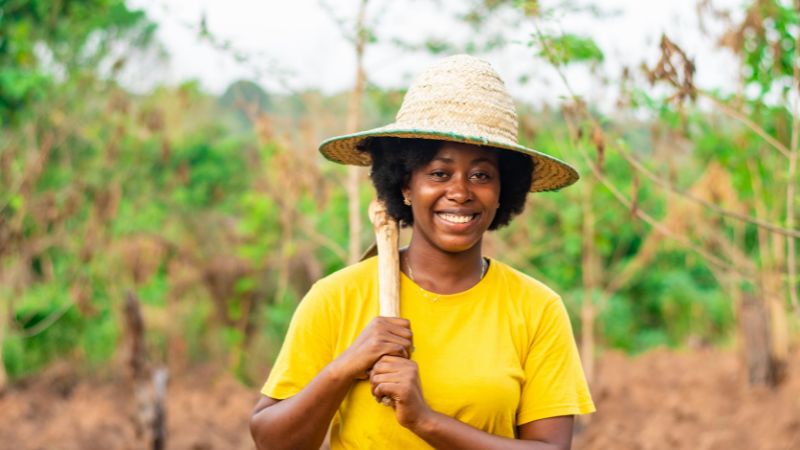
(269, 66)
(320, 239)
(791, 254)
(655, 224)
(47, 322)
(33, 169)
(637, 165)
(338, 21)
(747, 122)
(628, 203)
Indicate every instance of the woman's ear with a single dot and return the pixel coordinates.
(406, 189)
(406, 195)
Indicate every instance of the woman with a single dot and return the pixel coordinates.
(483, 356)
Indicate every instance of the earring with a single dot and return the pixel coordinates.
(406, 201)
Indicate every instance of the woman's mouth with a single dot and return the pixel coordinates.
(457, 218)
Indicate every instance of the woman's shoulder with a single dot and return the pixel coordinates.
(360, 274)
(522, 283)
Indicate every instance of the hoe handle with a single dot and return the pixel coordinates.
(386, 237)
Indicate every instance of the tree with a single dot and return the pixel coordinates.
(44, 41)
(731, 199)
(48, 53)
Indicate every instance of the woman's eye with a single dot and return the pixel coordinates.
(438, 174)
(481, 176)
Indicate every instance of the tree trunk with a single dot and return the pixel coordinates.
(778, 326)
(4, 315)
(754, 325)
(770, 248)
(149, 387)
(353, 123)
(590, 269)
(354, 210)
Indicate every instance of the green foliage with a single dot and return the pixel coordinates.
(212, 170)
(668, 307)
(767, 40)
(41, 41)
(566, 48)
(178, 198)
(51, 327)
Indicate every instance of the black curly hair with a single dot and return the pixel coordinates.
(393, 160)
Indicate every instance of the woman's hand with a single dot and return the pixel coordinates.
(398, 379)
(382, 336)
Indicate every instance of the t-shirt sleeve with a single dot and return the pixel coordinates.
(554, 383)
(307, 348)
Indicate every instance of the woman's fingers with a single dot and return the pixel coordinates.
(392, 364)
(396, 325)
(392, 377)
(383, 336)
(391, 336)
(385, 390)
(393, 345)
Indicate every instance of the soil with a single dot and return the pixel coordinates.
(696, 400)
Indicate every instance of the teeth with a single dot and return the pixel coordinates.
(456, 218)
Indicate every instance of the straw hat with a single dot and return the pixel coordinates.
(459, 99)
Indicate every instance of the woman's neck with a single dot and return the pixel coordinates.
(442, 272)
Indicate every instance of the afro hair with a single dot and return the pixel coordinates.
(394, 159)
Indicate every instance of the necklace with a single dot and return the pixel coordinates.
(484, 266)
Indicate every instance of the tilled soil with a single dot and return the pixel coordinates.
(205, 410)
(694, 400)
(697, 400)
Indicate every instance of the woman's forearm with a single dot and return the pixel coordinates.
(301, 421)
(444, 432)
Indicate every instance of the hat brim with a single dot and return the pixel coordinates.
(549, 173)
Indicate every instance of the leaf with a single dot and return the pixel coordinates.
(567, 48)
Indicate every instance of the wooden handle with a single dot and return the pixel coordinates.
(386, 238)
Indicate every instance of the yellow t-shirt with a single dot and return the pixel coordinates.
(495, 356)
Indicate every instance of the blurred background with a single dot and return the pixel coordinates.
(163, 207)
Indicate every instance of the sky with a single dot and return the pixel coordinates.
(299, 44)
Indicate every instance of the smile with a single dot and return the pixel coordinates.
(456, 218)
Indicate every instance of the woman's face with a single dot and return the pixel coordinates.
(455, 196)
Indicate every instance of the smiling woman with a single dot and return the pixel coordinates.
(393, 160)
(491, 362)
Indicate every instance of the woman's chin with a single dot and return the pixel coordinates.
(458, 245)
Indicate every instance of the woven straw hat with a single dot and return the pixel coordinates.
(460, 99)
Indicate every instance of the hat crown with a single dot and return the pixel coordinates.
(463, 95)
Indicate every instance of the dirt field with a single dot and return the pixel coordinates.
(662, 400)
(696, 400)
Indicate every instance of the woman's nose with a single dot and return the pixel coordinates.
(459, 190)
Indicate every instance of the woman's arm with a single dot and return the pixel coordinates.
(445, 432)
(398, 378)
(301, 421)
